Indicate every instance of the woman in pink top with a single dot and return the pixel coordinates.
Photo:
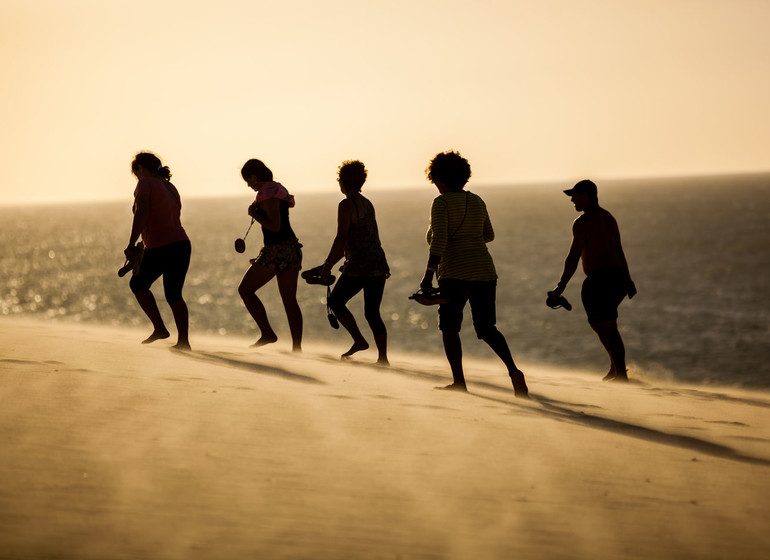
(280, 257)
(167, 249)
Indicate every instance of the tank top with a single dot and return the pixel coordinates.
(285, 233)
(364, 255)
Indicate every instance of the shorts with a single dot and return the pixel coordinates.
(171, 261)
(286, 255)
(481, 296)
(602, 293)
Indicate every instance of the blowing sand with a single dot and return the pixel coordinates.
(111, 449)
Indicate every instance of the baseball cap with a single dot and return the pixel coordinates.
(584, 186)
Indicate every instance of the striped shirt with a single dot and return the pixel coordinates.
(459, 231)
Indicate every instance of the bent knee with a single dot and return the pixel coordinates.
(137, 285)
(603, 327)
(337, 306)
(603, 323)
(340, 311)
(244, 290)
(171, 299)
(486, 332)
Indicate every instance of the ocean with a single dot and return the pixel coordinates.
(697, 249)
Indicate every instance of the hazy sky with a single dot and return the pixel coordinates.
(527, 90)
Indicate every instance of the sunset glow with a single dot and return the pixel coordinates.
(528, 91)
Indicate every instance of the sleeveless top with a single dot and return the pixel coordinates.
(285, 233)
(364, 255)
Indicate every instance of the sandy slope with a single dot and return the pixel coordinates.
(115, 450)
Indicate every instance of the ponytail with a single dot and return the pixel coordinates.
(151, 163)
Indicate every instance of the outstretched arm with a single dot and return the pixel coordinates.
(340, 240)
(573, 257)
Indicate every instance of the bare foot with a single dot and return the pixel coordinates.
(383, 361)
(182, 345)
(264, 340)
(156, 335)
(613, 375)
(519, 385)
(454, 387)
(357, 347)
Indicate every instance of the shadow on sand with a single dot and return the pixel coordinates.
(561, 411)
(549, 407)
(254, 367)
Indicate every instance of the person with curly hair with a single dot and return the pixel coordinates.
(457, 236)
(157, 208)
(280, 257)
(365, 267)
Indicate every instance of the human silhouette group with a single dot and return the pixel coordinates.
(458, 261)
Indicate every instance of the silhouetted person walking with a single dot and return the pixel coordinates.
(365, 266)
(596, 242)
(157, 209)
(459, 231)
(281, 256)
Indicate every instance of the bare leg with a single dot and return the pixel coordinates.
(381, 341)
(181, 318)
(497, 342)
(613, 343)
(342, 293)
(147, 303)
(602, 334)
(359, 342)
(287, 287)
(256, 277)
(454, 355)
(373, 291)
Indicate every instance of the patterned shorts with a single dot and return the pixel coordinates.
(281, 256)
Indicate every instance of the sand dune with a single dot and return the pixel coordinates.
(116, 450)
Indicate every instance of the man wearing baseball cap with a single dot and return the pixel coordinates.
(596, 242)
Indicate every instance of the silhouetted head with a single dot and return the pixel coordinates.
(258, 169)
(351, 176)
(584, 195)
(449, 169)
(149, 163)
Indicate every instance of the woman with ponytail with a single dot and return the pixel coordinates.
(280, 257)
(157, 209)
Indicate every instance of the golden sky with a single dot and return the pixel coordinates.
(528, 91)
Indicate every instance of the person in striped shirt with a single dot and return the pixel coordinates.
(458, 235)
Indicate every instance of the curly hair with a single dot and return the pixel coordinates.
(352, 175)
(151, 163)
(256, 167)
(449, 168)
